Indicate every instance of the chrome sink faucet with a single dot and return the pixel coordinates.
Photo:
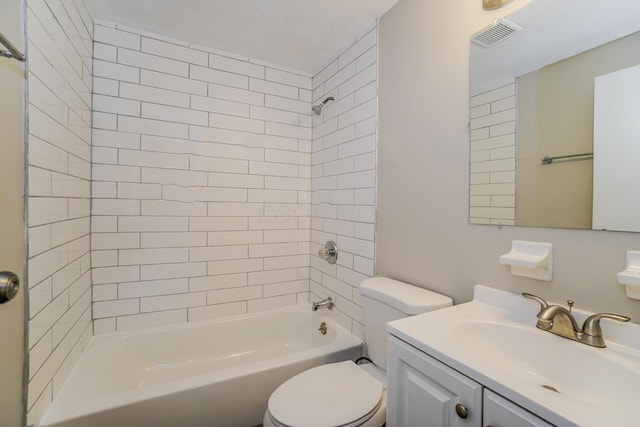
(560, 321)
(325, 303)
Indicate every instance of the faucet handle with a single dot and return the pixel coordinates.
(543, 303)
(591, 326)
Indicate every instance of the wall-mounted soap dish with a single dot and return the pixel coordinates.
(631, 275)
(530, 259)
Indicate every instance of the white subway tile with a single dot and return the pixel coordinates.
(235, 66)
(366, 59)
(273, 250)
(236, 123)
(174, 177)
(218, 253)
(152, 62)
(115, 274)
(115, 308)
(152, 127)
(199, 163)
(290, 157)
(153, 94)
(110, 70)
(172, 208)
(234, 266)
(174, 114)
(218, 224)
(152, 223)
(110, 104)
(173, 271)
(273, 115)
(216, 311)
(127, 190)
(286, 104)
(272, 303)
(105, 121)
(271, 236)
(171, 302)
(269, 87)
(105, 52)
(235, 209)
(137, 322)
(273, 276)
(234, 237)
(116, 37)
(214, 105)
(273, 169)
(361, 46)
(101, 241)
(234, 94)
(228, 151)
(104, 258)
(170, 50)
(209, 283)
(233, 294)
(173, 240)
(115, 207)
(106, 138)
(219, 77)
(171, 82)
(152, 256)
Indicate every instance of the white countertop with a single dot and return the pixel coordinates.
(494, 341)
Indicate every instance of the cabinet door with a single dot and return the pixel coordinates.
(423, 392)
(499, 412)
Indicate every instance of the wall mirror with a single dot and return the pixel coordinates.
(559, 81)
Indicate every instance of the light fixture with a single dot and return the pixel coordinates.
(493, 4)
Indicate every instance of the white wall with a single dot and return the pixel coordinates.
(59, 155)
(343, 184)
(201, 182)
(423, 234)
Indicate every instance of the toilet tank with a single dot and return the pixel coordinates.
(385, 300)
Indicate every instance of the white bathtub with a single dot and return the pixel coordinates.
(210, 374)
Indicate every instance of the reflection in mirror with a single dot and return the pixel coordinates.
(532, 95)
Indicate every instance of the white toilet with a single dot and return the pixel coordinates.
(345, 394)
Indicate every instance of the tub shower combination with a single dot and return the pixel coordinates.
(215, 373)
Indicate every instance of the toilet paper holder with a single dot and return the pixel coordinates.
(329, 252)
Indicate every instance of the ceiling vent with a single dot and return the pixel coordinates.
(499, 30)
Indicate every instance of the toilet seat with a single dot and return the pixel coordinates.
(337, 395)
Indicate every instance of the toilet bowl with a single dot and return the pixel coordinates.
(338, 394)
(344, 394)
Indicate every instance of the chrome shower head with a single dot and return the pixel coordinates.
(317, 109)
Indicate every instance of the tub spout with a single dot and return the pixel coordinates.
(325, 303)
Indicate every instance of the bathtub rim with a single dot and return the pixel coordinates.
(345, 340)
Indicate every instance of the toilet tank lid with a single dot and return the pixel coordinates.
(407, 298)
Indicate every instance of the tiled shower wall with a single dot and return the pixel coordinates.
(59, 157)
(201, 182)
(492, 192)
(344, 178)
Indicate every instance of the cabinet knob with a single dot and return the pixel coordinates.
(462, 411)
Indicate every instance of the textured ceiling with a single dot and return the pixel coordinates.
(552, 31)
(301, 34)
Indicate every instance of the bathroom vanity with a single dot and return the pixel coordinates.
(485, 364)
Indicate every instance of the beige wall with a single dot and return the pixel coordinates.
(12, 98)
(423, 234)
(555, 118)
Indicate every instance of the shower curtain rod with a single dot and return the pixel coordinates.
(12, 51)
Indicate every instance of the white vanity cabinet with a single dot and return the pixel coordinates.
(423, 392)
(499, 412)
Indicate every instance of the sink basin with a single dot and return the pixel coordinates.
(494, 340)
(557, 365)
